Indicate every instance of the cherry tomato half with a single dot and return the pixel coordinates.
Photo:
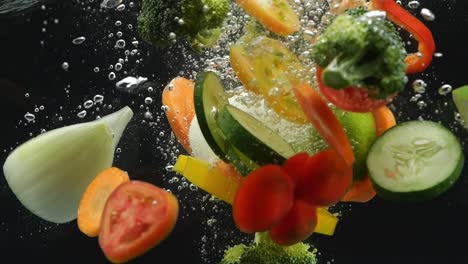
(325, 179)
(263, 199)
(350, 99)
(136, 217)
(297, 225)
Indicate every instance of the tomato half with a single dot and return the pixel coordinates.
(297, 225)
(263, 199)
(325, 179)
(350, 99)
(136, 217)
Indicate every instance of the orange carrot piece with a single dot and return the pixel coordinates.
(384, 119)
(94, 199)
(178, 97)
(361, 191)
(278, 16)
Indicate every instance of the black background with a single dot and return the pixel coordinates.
(376, 232)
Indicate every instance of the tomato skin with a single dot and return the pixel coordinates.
(326, 179)
(296, 226)
(136, 217)
(263, 199)
(350, 99)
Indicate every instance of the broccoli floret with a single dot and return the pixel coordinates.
(362, 49)
(265, 251)
(162, 22)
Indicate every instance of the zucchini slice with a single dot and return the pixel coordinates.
(252, 138)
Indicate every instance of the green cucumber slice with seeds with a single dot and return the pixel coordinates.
(252, 138)
(209, 98)
(415, 161)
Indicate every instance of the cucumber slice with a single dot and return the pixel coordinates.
(252, 138)
(415, 161)
(209, 98)
(241, 162)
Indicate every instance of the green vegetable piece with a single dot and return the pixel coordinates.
(362, 49)
(264, 251)
(415, 161)
(49, 173)
(198, 21)
(460, 98)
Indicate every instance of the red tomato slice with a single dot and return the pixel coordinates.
(297, 226)
(323, 119)
(263, 199)
(325, 179)
(350, 99)
(136, 217)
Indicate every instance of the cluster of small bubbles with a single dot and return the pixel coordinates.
(421, 104)
(81, 114)
(148, 115)
(413, 4)
(96, 69)
(427, 14)
(88, 104)
(445, 89)
(415, 97)
(29, 117)
(111, 76)
(120, 44)
(419, 86)
(65, 66)
(78, 40)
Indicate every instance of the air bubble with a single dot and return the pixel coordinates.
(65, 66)
(445, 89)
(419, 86)
(427, 14)
(81, 114)
(413, 4)
(29, 117)
(78, 40)
(111, 76)
(88, 104)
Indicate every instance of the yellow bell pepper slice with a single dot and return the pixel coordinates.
(222, 182)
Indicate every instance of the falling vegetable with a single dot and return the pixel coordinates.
(49, 173)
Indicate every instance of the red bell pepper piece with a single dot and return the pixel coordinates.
(417, 62)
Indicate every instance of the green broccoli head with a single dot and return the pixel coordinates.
(162, 22)
(362, 49)
(264, 251)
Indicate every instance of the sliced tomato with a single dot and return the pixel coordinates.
(325, 179)
(324, 120)
(263, 199)
(296, 226)
(350, 99)
(137, 216)
(276, 15)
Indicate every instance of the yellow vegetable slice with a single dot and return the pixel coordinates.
(276, 15)
(210, 178)
(267, 67)
(223, 183)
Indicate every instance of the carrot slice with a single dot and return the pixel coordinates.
(276, 15)
(323, 119)
(361, 191)
(94, 199)
(384, 119)
(178, 97)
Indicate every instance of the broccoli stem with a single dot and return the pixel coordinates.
(349, 71)
(262, 237)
